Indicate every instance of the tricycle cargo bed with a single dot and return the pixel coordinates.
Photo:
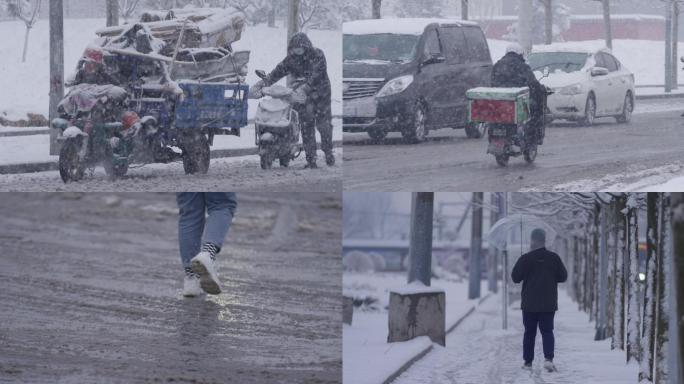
(218, 106)
(491, 93)
(204, 27)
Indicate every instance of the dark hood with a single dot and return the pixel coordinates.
(299, 40)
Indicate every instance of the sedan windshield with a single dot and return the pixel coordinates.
(384, 47)
(555, 61)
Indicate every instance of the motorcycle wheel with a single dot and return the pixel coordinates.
(196, 155)
(502, 160)
(530, 154)
(115, 171)
(70, 168)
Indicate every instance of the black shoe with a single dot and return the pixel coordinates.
(330, 159)
(311, 165)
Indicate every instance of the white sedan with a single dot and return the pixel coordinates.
(587, 84)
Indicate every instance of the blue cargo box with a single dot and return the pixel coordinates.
(213, 106)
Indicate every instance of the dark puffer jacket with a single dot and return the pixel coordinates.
(311, 66)
(540, 271)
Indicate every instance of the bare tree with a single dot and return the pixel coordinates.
(464, 9)
(606, 23)
(112, 12)
(127, 8)
(27, 11)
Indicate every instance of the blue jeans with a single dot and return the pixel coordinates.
(545, 322)
(194, 230)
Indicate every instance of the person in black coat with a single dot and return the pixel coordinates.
(540, 271)
(305, 61)
(512, 71)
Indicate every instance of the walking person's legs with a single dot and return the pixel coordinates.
(548, 340)
(530, 320)
(190, 227)
(220, 209)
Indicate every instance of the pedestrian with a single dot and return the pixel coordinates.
(540, 271)
(307, 62)
(203, 222)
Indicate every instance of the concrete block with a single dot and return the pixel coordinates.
(347, 309)
(414, 314)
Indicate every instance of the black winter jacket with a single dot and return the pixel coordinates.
(311, 66)
(540, 271)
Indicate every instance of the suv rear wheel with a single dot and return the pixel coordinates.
(589, 112)
(627, 109)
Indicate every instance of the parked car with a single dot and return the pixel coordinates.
(587, 84)
(411, 75)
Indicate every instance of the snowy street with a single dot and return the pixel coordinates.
(90, 290)
(572, 157)
(480, 352)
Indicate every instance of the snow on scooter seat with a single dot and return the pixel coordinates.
(273, 113)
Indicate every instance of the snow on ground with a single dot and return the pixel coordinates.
(25, 86)
(233, 173)
(667, 178)
(368, 358)
(36, 148)
(644, 58)
(480, 352)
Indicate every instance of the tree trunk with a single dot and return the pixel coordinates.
(377, 9)
(647, 337)
(619, 315)
(525, 24)
(272, 16)
(475, 275)
(548, 21)
(607, 24)
(633, 324)
(668, 46)
(56, 67)
(677, 284)
(420, 248)
(464, 9)
(662, 307)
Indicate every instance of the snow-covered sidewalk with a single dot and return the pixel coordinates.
(368, 357)
(480, 352)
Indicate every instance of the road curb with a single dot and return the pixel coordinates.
(425, 351)
(26, 132)
(9, 169)
(660, 96)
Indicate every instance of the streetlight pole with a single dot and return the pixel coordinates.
(420, 248)
(474, 273)
(56, 66)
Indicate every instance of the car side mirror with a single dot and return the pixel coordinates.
(261, 73)
(433, 59)
(599, 71)
(545, 72)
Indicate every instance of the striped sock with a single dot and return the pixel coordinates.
(212, 249)
(189, 272)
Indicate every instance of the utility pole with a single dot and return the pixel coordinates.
(668, 47)
(548, 21)
(420, 248)
(675, 41)
(607, 23)
(602, 320)
(493, 253)
(475, 275)
(464, 9)
(56, 66)
(292, 18)
(112, 12)
(377, 9)
(525, 24)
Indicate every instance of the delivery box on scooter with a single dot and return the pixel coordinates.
(498, 105)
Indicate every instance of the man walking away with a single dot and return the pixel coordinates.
(540, 270)
(201, 238)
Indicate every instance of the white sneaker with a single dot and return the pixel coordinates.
(548, 365)
(191, 286)
(203, 265)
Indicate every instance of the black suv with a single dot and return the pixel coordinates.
(411, 75)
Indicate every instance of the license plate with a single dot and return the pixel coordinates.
(497, 131)
(365, 107)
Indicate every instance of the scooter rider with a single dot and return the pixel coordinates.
(305, 61)
(512, 71)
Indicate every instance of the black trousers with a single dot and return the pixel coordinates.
(543, 320)
(316, 116)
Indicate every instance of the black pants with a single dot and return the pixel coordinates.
(311, 117)
(543, 320)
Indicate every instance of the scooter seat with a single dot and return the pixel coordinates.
(274, 105)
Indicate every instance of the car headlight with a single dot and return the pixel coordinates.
(396, 85)
(571, 89)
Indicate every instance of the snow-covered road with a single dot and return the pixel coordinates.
(570, 154)
(90, 292)
(238, 173)
(480, 352)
